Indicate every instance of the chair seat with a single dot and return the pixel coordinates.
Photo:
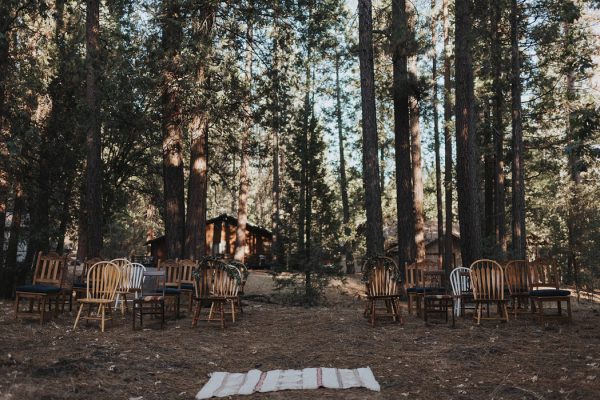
(423, 290)
(150, 299)
(45, 289)
(438, 296)
(187, 286)
(79, 285)
(170, 291)
(95, 301)
(549, 293)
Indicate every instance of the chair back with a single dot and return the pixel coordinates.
(434, 282)
(516, 273)
(244, 272)
(186, 269)
(225, 281)
(48, 269)
(487, 280)
(460, 281)
(86, 265)
(172, 269)
(204, 276)
(126, 272)
(543, 273)
(381, 276)
(414, 272)
(153, 283)
(137, 277)
(103, 278)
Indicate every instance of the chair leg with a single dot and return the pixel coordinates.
(540, 307)
(569, 317)
(222, 307)
(162, 311)
(506, 311)
(17, 301)
(409, 304)
(43, 310)
(233, 311)
(373, 312)
(101, 312)
(78, 315)
(479, 306)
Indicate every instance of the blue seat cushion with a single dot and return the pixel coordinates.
(47, 289)
(423, 290)
(549, 293)
(79, 285)
(169, 291)
(187, 286)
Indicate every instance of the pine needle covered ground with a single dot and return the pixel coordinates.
(518, 360)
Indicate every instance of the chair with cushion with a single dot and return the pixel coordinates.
(44, 289)
(545, 288)
(436, 299)
(460, 281)
(172, 283)
(151, 300)
(414, 282)
(382, 280)
(186, 280)
(516, 273)
(487, 281)
(102, 281)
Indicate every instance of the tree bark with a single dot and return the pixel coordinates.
(276, 243)
(240, 237)
(402, 133)
(448, 258)
(4, 154)
(518, 186)
(343, 180)
(436, 135)
(172, 144)
(498, 130)
(374, 225)
(94, 161)
(14, 239)
(466, 144)
(489, 175)
(195, 229)
(415, 138)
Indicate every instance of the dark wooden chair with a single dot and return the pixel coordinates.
(516, 273)
(545, 288)
(487, 281)
(186, 280)
(172, 283)
(151, 300)
(436, 299)
(414, 282)
(46, 287)
(382, 281)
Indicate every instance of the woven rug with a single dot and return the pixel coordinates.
(222, 384)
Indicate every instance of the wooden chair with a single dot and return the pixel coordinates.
(172, 283)
(382, 280)
(215, 285)
(545, 288)
(460, 281)
(151, 300)
(414, 282)
(79, 282)
(102, 281)
(244, 273)
(516, 273)
(45, 287)
(186, 279)
(487, 281)
(436, 299)
(124, 285)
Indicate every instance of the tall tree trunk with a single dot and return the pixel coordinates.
(415, 138)
(518, 186)
(4, 153)
(489, 175)
(448, 237)
(404, 174)
(466, 144)
(343, 180)
(93, 185)
(195, 228)
(240, 237)
(374, 225)
(498, 129)
(276, 243)
(172, 144)
(436, 135)
(14, 239)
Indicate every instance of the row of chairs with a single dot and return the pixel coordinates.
(486, 282)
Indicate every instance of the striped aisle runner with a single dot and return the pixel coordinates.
(223, 384)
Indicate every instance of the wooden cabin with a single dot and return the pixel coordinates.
(220, 241)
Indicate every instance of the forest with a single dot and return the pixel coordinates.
(343, 127)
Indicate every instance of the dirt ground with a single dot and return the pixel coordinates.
(516, 360)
